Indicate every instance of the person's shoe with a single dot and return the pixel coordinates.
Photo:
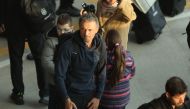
(29, 56)
(17, 98)
(44, 100)
(72, 11)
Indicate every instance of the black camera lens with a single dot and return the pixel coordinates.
(84, 5)
(88, 8)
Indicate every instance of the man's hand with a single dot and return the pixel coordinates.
(69, 104)
(94, 103)
(2, 28)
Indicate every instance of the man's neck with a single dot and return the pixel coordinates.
(173, 107)
(88, 44)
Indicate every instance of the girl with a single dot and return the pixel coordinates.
(120, 69)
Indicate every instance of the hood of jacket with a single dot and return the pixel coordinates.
(53, 32)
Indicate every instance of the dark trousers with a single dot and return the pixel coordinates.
(54, 100)
(16, 49)
(81, 101)
(66, 3)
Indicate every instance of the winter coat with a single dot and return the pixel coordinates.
(121, 20)
(48, 55)
(49, 52)
(79, 69)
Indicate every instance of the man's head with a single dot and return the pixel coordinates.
(89, 25)
(110, 2)
(176, 91)
(64, 24)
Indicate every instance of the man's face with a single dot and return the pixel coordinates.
(110, 2)
(88, 29)
(177, 100)
(65, 28)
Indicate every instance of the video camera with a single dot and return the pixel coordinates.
(89, 8)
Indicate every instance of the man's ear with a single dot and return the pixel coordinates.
(97, 29)
(167, 94)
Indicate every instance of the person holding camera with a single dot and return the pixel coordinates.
(116, 14)
(87, 8)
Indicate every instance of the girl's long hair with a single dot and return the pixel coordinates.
(113, 41)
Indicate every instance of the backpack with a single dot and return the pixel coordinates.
(40, 14)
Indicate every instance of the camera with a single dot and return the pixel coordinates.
(89, 8)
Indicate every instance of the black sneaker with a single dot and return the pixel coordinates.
(44, 100)
(72, 11)
(17, 98)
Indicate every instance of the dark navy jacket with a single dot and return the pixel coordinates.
(163, 103)
(79, 69)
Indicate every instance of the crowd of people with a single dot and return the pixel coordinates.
(81, 69)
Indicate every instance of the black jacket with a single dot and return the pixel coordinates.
(12, 16)
(80, 69)
(163, 103)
